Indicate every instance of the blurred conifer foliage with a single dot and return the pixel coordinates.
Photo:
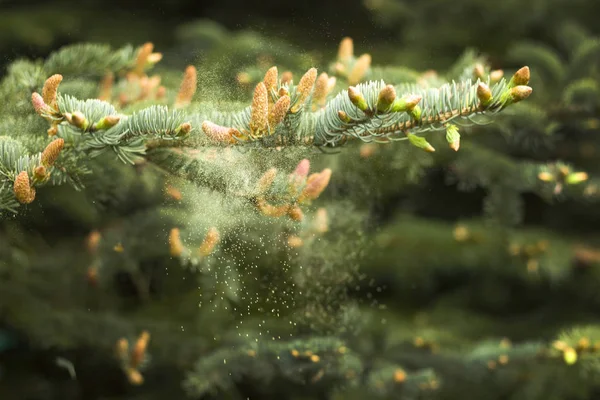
(269, 222)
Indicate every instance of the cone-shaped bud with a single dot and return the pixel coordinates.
(452, 136)
(301, 171)
(107, 122)
(576, 177)
(357, 98)
(321, 223)
(346, 49)
(484, 94)
(187, 88)
(386, 97)
(479, 71)
(24, 193)
(405, 103)
(52, 131)
(295, 213)
(92, 241)
(545, 176)
(52, 151)
(220, 133)
(154, 58)
(279, 112)
(270, 80)
(79, 120)
(138, 353)
(210, 241)
(496, 75)
(516, 94)
(315, 185)
(520, 78)
(360, 69)
(415, 113)
(283, 91)
(570, 356)
(175, 243)
(420, 142)
(344, 117)
(50, 90)
(270, 210)
(40, 173)
(106, 87)
(142, 58)
(39, 105)
(266, 180)
(304, 88)
(287, 77)
(321, 89)
(259, 118)
(183, 130)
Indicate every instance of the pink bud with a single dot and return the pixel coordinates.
(315, 185)
(302, 168)
(38, 102)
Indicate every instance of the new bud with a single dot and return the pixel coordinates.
(406, 103)
(521, 77)
(107, 122)
(453, 137)
(357, 98)
(79, 120)
(387, 96)
(484, 94)
(420, 142)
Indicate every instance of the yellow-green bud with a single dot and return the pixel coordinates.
(576, 177)
(387, 95)
(107, 122)
(344, 117)
(183, 129)
(453, 137)
(516, 94)
(406, 103)
(420, 142)
(357, 98)
(484, 94)
(416, 113)
(79, 120)
(520, 78)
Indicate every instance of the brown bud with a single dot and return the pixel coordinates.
(175, 245)
(295, 213)
(270, 80)
(210, 241)
(304, 88)
(344, 117)
(40, 173)
(134, 376)
(79, 120)
(122, 349)
(360, 69)
(187, 88)
(287, 77)
(478, 71)
(357, 98)
(24, 193)
(520, 78)
(106, 87)
(93, 240)
(52, 151)
(386, 97)
(496, 75)
(484, 94)
(315, 185)
(259, 118)
(279, 112)
(321, 223)
(52, 131)
(50, 90)
(266, 180)
(346, 49)
(142, 58)
(321, 89)
(183, 129)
